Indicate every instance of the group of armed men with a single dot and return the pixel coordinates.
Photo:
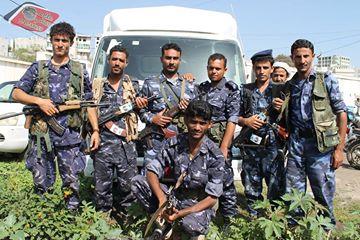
(190, 149)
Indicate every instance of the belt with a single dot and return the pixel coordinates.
(304, 133)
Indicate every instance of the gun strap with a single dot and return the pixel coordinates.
(38, 142)
(180, 180)
(171, 90)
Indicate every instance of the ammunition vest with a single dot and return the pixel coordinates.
(74, 91)
(324, 119)
(131, 120)
(38, 126)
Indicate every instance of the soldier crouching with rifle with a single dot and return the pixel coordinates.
(257, 137)
(44, 84)
(118, 130)
(194, 165)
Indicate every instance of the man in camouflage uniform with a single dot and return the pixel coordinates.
(44, 84)
(259, 159)
(223, 97)
(117, 150)
(198, 161)
(171, 90)
(316, 120)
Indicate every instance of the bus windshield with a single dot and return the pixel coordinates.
(145, 52)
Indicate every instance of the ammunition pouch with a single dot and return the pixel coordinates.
(323, 118)
(40, 129)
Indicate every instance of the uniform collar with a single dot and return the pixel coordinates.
(310, 78)
(164, 78)
(183, 141)
(221, 83)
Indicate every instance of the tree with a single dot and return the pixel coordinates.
(284, 58)
(27, 54)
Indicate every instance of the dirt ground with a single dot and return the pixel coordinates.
(348, 183)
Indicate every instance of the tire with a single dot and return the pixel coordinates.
(353, 154)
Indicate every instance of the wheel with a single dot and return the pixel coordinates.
(353, 154)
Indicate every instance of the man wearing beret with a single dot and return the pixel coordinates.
(260, 147)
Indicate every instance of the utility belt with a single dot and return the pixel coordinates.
(304, 133)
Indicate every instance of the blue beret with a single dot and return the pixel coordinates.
(265, 53)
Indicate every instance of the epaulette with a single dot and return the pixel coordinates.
(231, 85)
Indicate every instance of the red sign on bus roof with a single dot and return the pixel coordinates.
(32, 17)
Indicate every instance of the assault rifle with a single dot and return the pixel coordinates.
(157, 223)
(164, 131)
(122, 109)
(246, 133)
(30, 110)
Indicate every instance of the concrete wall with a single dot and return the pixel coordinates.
(349, 87)
(11, 69)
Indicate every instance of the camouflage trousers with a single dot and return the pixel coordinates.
(71, 162)
(114, 158)
(194, 224)
(228, 200)
(305, 161)
(259, 164)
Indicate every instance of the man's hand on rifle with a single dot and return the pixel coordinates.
(47, 106)
(277, 103)
(141, 102)
(254, 122)
(183, 104)
(161, 120)
(170, 215)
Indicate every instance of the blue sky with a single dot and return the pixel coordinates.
(333, 26)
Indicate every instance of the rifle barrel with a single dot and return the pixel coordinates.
(10, 115)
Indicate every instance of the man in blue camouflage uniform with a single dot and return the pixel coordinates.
(223, 97)
(196, 163)
(117, 150)
(171, 90)
(316, 140)
(44, 84)
(259, 157)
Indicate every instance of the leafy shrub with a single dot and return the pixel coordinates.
(25, 215)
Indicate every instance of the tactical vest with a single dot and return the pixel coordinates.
(75, 89)
(324, 119)
(131, 120)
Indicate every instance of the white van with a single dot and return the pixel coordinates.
(143, 31)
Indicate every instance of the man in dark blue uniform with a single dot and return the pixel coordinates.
(44, 84)
(196, 164)
(316, 120)
(260, 152)
(117, 151)
(223, 97)
(172, 90)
